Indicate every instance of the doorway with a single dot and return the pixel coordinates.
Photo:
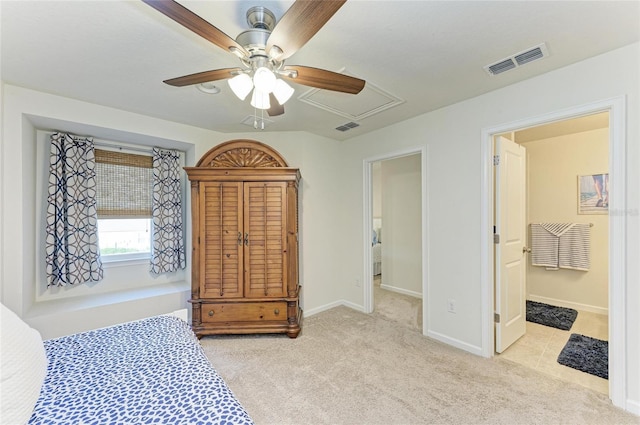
(392, 234)
(559, 157)
(396, 241)
(617, 233)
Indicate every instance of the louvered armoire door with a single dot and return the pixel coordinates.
(222, 240)
(265, 212)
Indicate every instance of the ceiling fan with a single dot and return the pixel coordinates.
(262, 51)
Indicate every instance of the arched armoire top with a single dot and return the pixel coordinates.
(242, 153)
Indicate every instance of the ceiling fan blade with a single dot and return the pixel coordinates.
(299, 24)
(323, 79)
(202, 77)
(195, 23)
(276, 108)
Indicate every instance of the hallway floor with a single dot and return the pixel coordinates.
(400, 308)
(540, 346)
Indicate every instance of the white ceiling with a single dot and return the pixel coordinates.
(562, 128)
(428, 53)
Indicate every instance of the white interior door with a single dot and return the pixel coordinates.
(510, 257)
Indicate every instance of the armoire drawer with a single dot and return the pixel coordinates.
(244, 312)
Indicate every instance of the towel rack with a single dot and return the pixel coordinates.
(590, 224)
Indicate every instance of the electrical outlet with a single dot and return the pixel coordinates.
(451, 305)
(357, 282)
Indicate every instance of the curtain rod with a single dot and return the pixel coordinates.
(120, 147)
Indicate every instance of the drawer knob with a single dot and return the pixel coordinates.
(210, 313)
(276, 311)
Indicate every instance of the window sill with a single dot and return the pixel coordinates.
(99, 300)
(124, 262)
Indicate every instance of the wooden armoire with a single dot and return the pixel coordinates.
(244, 213)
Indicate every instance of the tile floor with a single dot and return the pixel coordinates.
(540, 346)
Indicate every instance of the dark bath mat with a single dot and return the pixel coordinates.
(586, 354)
(550, 315)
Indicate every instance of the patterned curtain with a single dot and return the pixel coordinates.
(167, 251)
(72, 252)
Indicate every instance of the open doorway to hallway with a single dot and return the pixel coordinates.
(561, 159)
(396, 245)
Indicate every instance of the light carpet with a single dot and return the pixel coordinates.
(400, 308)
(347, 367)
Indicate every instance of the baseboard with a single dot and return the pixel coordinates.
(455, 343)
(311, 312)
(401, 291)
(569, 304)
(633, 407)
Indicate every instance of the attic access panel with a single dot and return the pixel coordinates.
(370, 101)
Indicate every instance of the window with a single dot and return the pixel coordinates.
(124, 198)
(124, 238)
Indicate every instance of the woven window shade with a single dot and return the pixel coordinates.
(125, 184)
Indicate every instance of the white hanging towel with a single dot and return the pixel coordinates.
(560, 245)
(574, 250)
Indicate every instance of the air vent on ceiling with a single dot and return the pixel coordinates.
(503, 66)
(348, 126)
(529, 56)
(538, 52)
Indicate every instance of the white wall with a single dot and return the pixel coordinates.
(552, 167)
(376, 186)
(1, 169)
(26, 111)
(453, 136)
(402, 212)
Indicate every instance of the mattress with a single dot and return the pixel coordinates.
(376, 252)
(149, 371)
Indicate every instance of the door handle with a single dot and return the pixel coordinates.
(239, 238)
(525, 249)
(246, 239)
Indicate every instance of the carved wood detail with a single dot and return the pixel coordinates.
(244, 157)
(242, 154)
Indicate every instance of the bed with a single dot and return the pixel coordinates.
(149, 371)
(376, 253)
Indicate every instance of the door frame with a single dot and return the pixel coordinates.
(617, 231)
(367, 222)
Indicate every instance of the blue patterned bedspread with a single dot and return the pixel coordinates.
(149, 371)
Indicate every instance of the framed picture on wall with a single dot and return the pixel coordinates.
(593, 194)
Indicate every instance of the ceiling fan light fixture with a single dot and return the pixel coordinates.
(260, 99)
(241, 85)
(263, 50)
(264, 80)
(282, 91)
